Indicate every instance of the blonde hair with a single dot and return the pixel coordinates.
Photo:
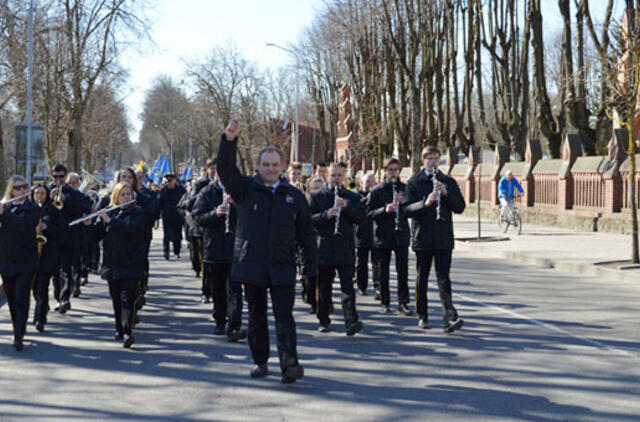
(10, 184)
(312, 182)
(116, 193)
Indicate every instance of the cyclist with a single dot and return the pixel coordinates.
(508, 183)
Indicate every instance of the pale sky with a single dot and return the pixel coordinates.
(189, 29)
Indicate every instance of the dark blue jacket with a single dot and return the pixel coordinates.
(336, 250)
(429, 234)
(188, 201)
(270, 225)
(168, 201)
(364, 230)
(384, 224)
(18, 249)
(217, 247)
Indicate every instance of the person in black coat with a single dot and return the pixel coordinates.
(213, 211)
(172, 221)
(74, 205)
(51, 225)
(123, 238)
(18, 253)
(334, 215)
(390, 234)
(364, 242)
(431, 211)
(273, 219)
(148, 202)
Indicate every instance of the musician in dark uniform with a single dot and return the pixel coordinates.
(364, 241)
(172, 221)
(432, 198)
(273, 219)
(123, 238)
(148, 202)
(390, 234)
(214, 212)
(74, 205)
(18, 253)
(335, 210)
(51, 225)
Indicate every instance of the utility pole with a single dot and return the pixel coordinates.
(30, 91)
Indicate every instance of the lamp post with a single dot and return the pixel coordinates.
(30, 92)
(295, 156)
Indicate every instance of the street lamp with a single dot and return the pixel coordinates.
(295, 156)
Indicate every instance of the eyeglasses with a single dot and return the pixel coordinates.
(58, 176)
(20, 187)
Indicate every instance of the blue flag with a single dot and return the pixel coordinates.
(155, 169)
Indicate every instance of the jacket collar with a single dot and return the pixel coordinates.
(282, 184)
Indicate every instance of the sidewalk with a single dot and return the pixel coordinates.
(551, 247)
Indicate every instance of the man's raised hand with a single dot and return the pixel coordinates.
(233, 129)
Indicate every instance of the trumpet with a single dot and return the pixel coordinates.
(336, 227)
(397, 205)
(95, 214)
(227, 218)
(57, 202)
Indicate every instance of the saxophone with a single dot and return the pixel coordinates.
(40, 238)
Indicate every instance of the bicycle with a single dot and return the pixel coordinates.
(509, 216)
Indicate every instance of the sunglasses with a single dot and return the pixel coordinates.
(20, 187)
(58, 176)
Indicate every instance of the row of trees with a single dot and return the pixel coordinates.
(464, 72)
(77, 77)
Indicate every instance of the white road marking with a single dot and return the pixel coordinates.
(551, 327)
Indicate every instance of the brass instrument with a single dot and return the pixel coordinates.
(95, 214)
(40, 238)
(394, 187)
(57, 202)
(336, 228)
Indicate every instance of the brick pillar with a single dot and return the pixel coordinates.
(469, 190)
(617, 149)
(532, 155)
(571, 150)
(500, 157)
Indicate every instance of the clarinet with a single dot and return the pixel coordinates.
(336, 228)
(439, 193)
(227, 218)
(395, 202)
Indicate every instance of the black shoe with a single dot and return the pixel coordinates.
(324, 328)
(128, 341)
(118, 336)
(177, 255)
(422, 323)
(40, 326)
(404, 310)
(385, 309)
(197, 275)
(234, 336)
(18, 345)
(84, 282)
(166, 256)
(451, 326)
(354, 327)
(292, 373)
(220, 329)
(259, 371)
(76, 292)
(363, 292)
(64, 307)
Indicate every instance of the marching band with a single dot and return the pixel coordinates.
(247, 235)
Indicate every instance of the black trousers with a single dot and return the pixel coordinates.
(443, 265)
(123, 295)
(362, 268)
(282, 298)
(217, 275)
(17, 288)
(94, 255)
(234, 305)
(41, 295)
(62, 278)
(195, 253)
(326, 274)
(172, 234)
(383, 259)
(310, 288)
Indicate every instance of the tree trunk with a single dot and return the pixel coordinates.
(3, 167)
(635, 257)
(416, 144)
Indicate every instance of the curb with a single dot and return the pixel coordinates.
(587, 269)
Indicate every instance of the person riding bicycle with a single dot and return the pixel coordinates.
(508, 183)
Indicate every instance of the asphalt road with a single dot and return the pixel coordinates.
(537, 345)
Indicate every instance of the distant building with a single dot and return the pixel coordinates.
(310, 149)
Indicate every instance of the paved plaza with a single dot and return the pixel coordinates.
(539, 344)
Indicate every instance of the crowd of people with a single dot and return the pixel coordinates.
(249, 236)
